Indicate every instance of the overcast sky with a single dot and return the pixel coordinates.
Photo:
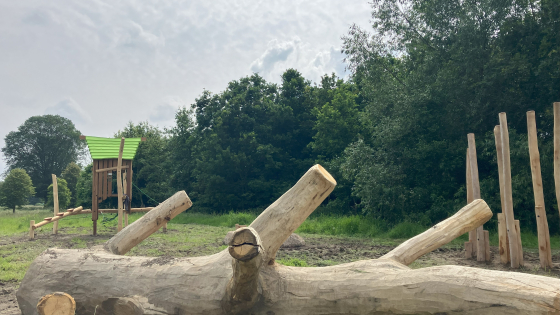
(103, 63)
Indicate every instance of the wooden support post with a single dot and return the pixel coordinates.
(94, 202)
(119, 186)
(508, 198)
(487, 253)
(557, 151)
(480, 250)
(32, 229)
(502, 234)
(125, 190)
(545, 255)
(502, 227)
(55, 201)
(468, 250)
(519, 244)
(471, 249)
(165, 227)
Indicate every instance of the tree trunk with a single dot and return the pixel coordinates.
(244, 279)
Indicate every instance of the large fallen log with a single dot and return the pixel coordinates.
(244, 279)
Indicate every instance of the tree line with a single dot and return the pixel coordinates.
(393, 134)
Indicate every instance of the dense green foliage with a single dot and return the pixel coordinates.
(394, 134)
(71, 174)
(64, 195)
(42, 145)
(16, 189)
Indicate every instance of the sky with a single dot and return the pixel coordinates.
(104, 63)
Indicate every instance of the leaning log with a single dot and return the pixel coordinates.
(99, 279)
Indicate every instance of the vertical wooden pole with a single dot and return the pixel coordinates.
(557, 151)
(520, 246)
(480, 250)
(487, 254)
(470, 249)
(125, 190)
(502, 234)
(502, 228)
(508, 198)
(545, 255)
(32, 229)
(94, 203)
(55, 201)
(119, 186)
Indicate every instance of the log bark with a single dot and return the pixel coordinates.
(480, 245)
(55, 202)
(556, 109)
(470, 249)
(97, 278)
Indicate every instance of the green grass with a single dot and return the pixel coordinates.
(291, 261)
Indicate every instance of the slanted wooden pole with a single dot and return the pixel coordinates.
(480, 247)
(508, 198)
(470, 249)
(32, 229)
(55, 201)
(152, 221)
(502, 228)
(545, 255)
(120, 186)
(470, 216)
(557, 151)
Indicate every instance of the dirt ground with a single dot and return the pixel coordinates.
(318, 251)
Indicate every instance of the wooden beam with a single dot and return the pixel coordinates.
(143, 139)
(470, 216)
(556, 107)
(31, 229)
(82, 137)
(113, 168)
(55, 201)
(508, 198)
(480, 250)
(119, 186)
(503, 243)
(124, 198)
(487, 253)
(471, 249)
(94, 203)
(545, 255)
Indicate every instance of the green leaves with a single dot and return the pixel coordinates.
(16, 189)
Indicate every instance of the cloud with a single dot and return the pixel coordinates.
(69, 108)
(276, 52)
(164, 113)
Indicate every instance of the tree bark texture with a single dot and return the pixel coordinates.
(207, 285)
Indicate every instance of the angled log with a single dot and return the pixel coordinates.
(199, 285)
(472, 215)
(508, 198)
(545, 255)
(152, 221)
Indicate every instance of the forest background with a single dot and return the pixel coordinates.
(393, 134)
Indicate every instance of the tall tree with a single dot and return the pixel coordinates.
(43, 145)
(71, 174)
(16, 189)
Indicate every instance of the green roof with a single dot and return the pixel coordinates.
(108, 148)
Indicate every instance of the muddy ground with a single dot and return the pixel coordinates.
(318, 251)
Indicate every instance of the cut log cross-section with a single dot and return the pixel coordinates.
(245, 279)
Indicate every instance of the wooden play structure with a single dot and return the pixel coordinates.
(112, 158)
(509, 233)
(245, 279)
